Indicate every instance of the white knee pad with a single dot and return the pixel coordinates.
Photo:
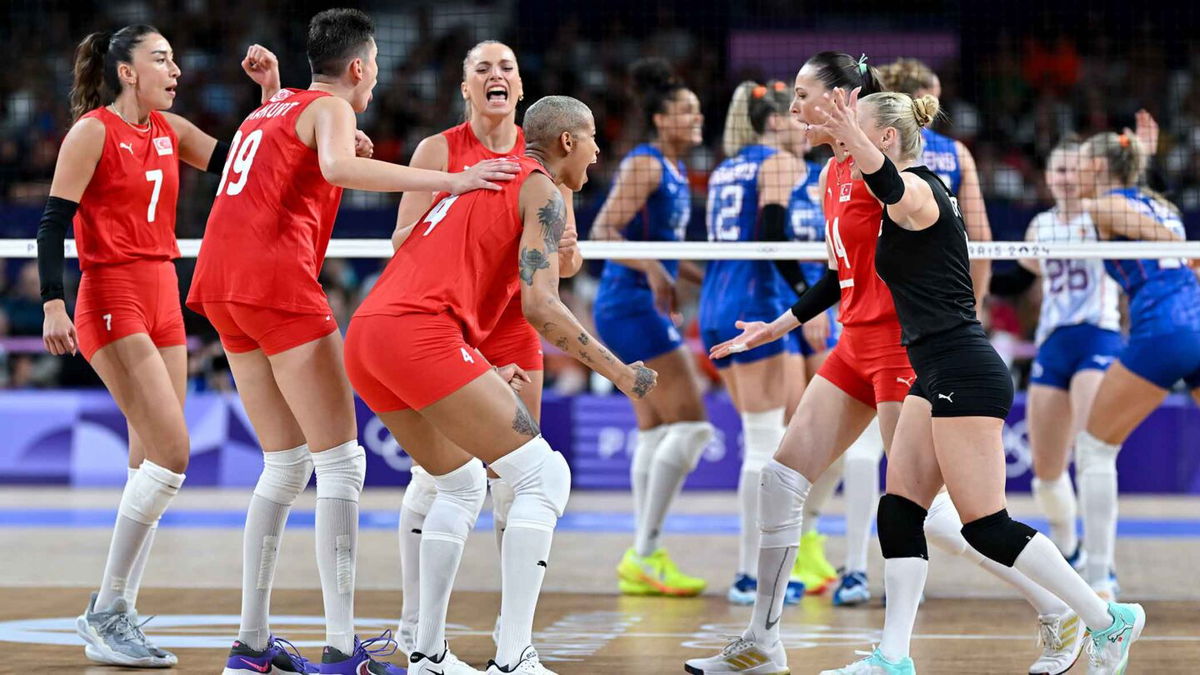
(868, 447)
(502, 499)
(943, 526)
(341, 471)
(285, 474)
(647, 443)
(148, 493)
(684, 443)
(761, 434)
(419, 494)
(541, 483)
(460, 496)
(1094, 456)
(781, 497)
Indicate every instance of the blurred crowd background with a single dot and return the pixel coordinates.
(1016, 77)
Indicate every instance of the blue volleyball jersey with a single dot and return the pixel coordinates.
(738, 289)
(664, 217)
(1164, 295)
(806, 219)
(941, 156)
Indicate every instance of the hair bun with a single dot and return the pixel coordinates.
(925, 109)
(651, 74)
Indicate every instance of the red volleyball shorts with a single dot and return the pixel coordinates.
(410, 360)
(244, 328)
(869, 364)
(513, 340)
(117, 301)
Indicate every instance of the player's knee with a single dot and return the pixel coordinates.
(684, 444)
(901, 524)
(419, 494)
(646, 447)
(781, 496)
(340, 471)
(502, 499)
(998, 536)
(943, 528)
(149, 492)
(541, 483)
(460, 496)
(285, 474)
(1094, 456)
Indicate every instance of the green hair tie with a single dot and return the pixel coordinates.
(862, 65)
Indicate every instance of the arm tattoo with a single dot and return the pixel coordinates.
(583, 339)
(642, 381)
(523, 423)
(553, 217)
(532, 260)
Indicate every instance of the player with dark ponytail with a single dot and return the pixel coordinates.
(634, 312)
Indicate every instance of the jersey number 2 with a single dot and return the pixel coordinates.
(241, 156)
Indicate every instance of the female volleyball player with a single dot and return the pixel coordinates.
(867, 369)
(1078, 336)
(651, 201)
(1164, 336)
(256, 281)
(949, 159)
(858, 470)
(748, 196)
(961, 382)
(409, 353)
(117, 177)
(491, 87)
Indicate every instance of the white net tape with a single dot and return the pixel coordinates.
(703, 250)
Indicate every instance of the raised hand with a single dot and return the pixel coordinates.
(754, 334)
(1146, 132)
(262, 67)
(841, 114)
(482, 174)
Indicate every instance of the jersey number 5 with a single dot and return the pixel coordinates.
(241, 156)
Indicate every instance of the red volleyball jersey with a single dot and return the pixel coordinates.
(127, 212)
(853, 218)
(272, 218)
(466, 150)
(461, 258)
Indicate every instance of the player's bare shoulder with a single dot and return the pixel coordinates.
(433, 152)
(542, 202)
(334, 109)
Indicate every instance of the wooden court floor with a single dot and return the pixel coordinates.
(970, 624)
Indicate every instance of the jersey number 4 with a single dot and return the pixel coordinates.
(834, 234)
(437, 213)
(241, 156)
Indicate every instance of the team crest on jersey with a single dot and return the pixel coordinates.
(280, 95)
(845, 192)
(162, 145)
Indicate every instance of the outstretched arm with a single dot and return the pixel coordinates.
(975, 217)
(544, 215)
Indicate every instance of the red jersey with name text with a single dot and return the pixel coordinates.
(461, 259)
(853, 218)
(273, 216)
(127, 212)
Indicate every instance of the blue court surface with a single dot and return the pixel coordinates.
(579, 521)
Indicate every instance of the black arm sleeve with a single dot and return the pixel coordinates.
(216, 163)
(819, 297)
(774, 228)
(51, 237)
(886, 183)
(1013, 281)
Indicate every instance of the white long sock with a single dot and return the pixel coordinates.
(460, 496)
(418, 498)
(761, 433)
(340, 472)
(285, 474)
(903, 582)
(1056, 499)
(139, 563)
(640, 466)
(1041, 561)
(143, 502)
(860, 492)
(541, 481)
(943, 529)
(674, 458)
(821, 491)
(502, 499)
(781, 505)
(1096, 467)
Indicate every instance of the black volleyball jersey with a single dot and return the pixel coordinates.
(928, 271)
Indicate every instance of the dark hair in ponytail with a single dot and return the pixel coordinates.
(96, 58)
(655, 85)
(837, 69)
